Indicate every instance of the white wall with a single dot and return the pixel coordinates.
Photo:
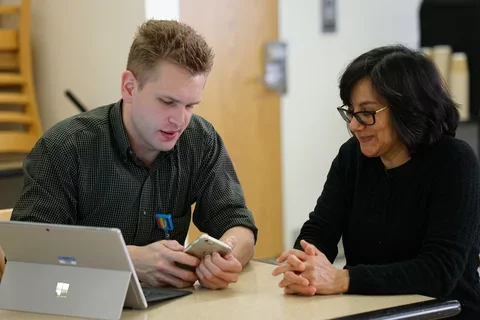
(80, 45)
(312, 130)
(162, 9)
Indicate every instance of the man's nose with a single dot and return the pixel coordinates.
(177, 116)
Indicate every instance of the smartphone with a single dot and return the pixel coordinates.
(202, 246)
(206, 245)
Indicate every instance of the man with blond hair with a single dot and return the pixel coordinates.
(140, 163)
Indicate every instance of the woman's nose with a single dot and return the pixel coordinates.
(354, 125)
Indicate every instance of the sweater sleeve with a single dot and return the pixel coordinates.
(452, 229)
(324, 226)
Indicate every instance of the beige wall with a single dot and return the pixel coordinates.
(80, 45)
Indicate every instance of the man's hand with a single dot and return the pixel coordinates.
(155, 264)
(217, 272)
(2, 262)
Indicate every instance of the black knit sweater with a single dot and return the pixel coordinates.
(413, 229)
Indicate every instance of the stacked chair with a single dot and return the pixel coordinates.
(20, 125)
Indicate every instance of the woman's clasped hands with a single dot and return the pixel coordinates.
(309, 272)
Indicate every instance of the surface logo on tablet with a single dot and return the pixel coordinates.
(62, 289)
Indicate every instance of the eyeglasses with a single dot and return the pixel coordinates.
(366, 118)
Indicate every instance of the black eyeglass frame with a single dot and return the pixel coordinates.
(345, 111)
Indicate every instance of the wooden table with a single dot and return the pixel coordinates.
(255, 296)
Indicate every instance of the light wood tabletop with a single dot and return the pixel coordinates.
(255, 296)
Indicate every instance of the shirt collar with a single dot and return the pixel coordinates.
(119, 133)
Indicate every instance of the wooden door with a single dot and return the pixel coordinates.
(238, 104)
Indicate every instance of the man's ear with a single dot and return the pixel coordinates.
(128, 85)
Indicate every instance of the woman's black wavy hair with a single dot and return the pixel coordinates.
(421, 106)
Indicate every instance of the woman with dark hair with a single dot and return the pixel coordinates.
(402, 193)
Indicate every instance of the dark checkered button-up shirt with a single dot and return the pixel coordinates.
(83, 171)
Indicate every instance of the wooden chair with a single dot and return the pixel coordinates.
(20, 125)
(4, 215)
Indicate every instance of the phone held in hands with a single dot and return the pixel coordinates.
(205, 245)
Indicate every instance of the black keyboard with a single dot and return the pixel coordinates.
(158, 294)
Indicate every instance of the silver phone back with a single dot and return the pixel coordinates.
(205, 245)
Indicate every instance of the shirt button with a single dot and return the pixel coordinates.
(380, 242)
(144, 213)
